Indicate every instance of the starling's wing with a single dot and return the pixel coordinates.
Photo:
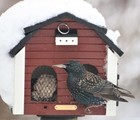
(91, 83)
(102, 88)
(82, 96)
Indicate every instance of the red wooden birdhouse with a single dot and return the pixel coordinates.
(43, 89)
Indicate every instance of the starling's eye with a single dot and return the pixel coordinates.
(67, 64)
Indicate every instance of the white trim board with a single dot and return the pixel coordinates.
(112, 65)
(18, 107)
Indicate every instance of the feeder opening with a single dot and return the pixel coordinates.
(91, 68)
(44, 84)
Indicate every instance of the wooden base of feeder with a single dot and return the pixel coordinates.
(58, 118)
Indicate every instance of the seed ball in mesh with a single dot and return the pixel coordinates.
(44, 88)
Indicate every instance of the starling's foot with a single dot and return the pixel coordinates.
(87, 109)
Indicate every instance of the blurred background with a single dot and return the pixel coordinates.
(122, 15)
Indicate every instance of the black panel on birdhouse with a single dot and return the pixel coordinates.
(91, 68)
(43, 84)
(71, 33)
(66, 36)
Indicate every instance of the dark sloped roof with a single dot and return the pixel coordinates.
(29, 31)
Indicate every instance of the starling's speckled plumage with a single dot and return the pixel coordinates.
(88, 88)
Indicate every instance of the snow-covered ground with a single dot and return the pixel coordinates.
(123, 15)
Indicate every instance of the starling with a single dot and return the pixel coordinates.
(88, 88)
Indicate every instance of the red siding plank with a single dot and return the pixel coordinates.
(67, 55)
(45, 33)
(65, 99)
(27, 92)
(42, 40)
(62, 84)
(63, 92)
(50, 48)
(90, 40)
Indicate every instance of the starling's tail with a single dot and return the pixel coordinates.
(113, 97)
(124, 92)
(122, 100)
(116, 94)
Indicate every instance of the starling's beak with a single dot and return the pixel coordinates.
(60, 66)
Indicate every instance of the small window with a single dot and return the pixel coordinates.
(44, 84)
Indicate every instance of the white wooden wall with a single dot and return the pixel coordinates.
(18, 107)
(112, 65)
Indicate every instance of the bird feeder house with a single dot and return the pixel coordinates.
(41, 89)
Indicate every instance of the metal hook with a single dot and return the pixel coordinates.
(66, 26)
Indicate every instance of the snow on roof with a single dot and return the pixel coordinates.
(30, 12)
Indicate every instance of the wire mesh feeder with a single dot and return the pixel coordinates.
(44, 84)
